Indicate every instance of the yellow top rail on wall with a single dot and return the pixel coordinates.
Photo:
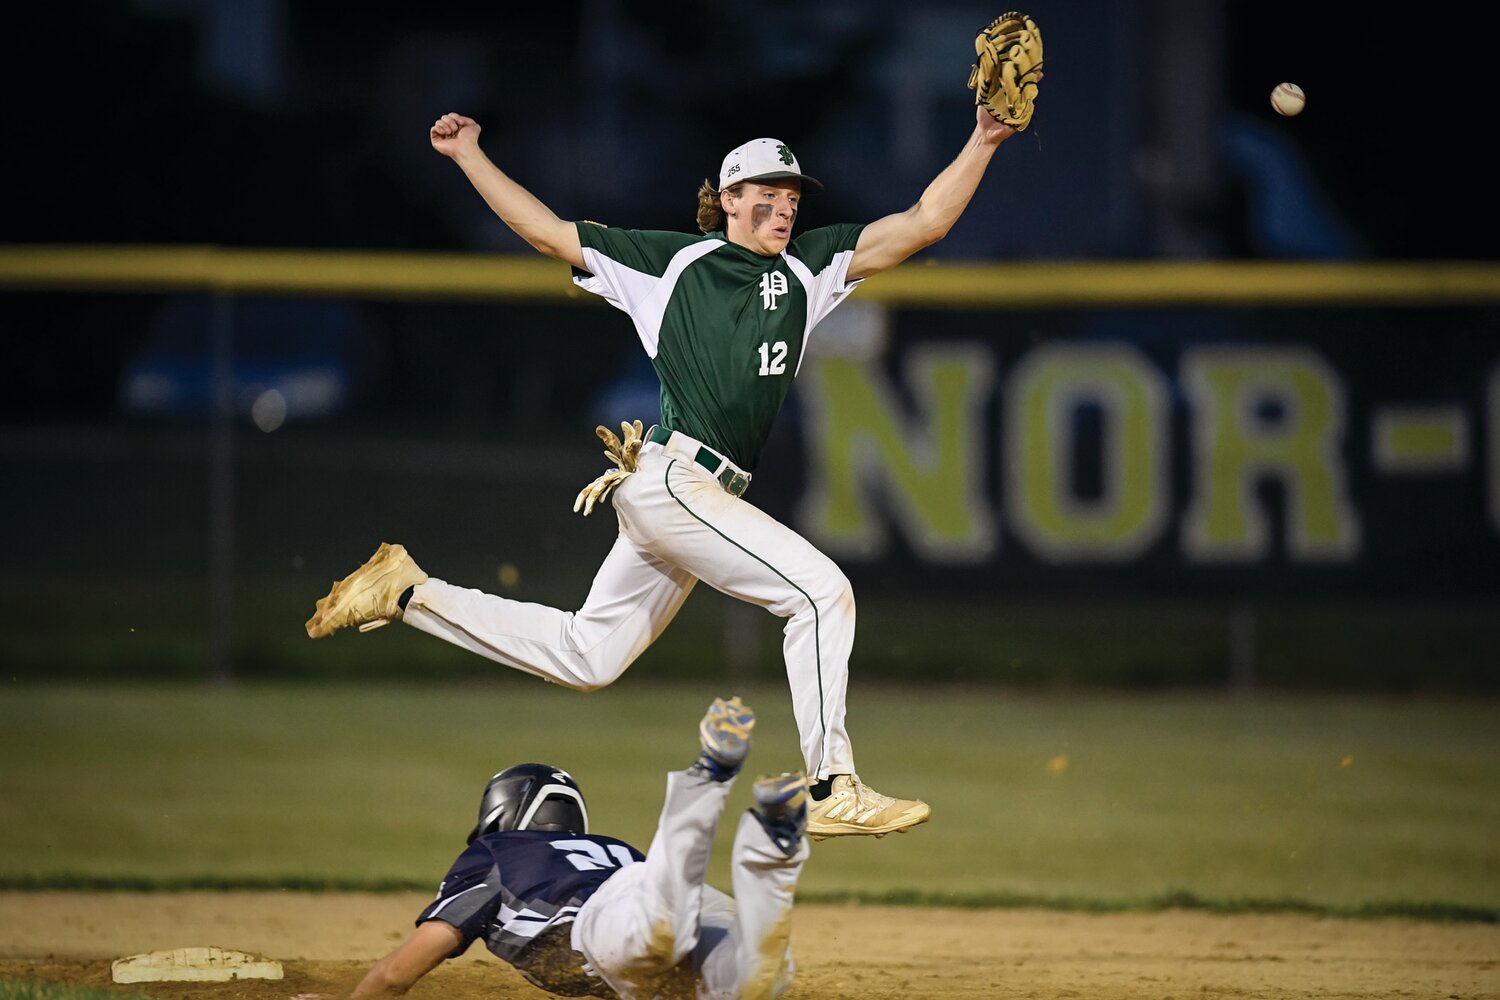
(929, 284)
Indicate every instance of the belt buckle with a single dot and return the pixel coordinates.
(734, 483)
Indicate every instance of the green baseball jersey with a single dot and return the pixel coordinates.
(725, 327)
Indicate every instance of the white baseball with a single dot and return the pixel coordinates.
(1288, 99)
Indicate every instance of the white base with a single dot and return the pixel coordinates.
(200, 965)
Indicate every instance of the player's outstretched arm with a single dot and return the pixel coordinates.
(457, 138)
(887, 242)
(419, 954)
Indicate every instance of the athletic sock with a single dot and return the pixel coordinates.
(405, 598)
(820, 790)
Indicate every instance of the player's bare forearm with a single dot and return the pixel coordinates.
(419, 954)
(519, 209)
(888, 241)
(948, 195)
(457, 137)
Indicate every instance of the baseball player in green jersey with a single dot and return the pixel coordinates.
(724, 316)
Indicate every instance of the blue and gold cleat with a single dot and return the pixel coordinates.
(724, 735)
(781, 807)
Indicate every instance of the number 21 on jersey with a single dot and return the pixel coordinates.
(773, 358)
(586, 855)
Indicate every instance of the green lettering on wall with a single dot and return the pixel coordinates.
(1266, 414)
(1042, 402)
(926, 468)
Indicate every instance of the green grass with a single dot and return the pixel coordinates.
(12, 989)
(1357, 805)
(156, 626)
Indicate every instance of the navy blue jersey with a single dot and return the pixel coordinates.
(519, 891)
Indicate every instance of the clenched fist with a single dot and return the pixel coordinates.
(452, 132)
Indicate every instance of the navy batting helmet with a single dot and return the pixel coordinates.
(532, 797)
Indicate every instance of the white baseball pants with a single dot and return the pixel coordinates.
(677, 526)
(654, 929)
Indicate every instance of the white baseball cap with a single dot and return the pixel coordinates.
(763, 160)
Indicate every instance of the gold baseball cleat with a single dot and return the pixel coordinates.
(853, 809)
(369, 597)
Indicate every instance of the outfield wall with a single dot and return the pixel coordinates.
(1229, 446)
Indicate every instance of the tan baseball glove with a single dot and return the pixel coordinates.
(1007, 67)
(625, 452)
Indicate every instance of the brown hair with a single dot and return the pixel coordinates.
(710, 210)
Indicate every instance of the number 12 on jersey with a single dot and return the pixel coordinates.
(773, 358)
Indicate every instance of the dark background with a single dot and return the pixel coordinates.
(273, 123)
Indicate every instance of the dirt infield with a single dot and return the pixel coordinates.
(326, 941)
